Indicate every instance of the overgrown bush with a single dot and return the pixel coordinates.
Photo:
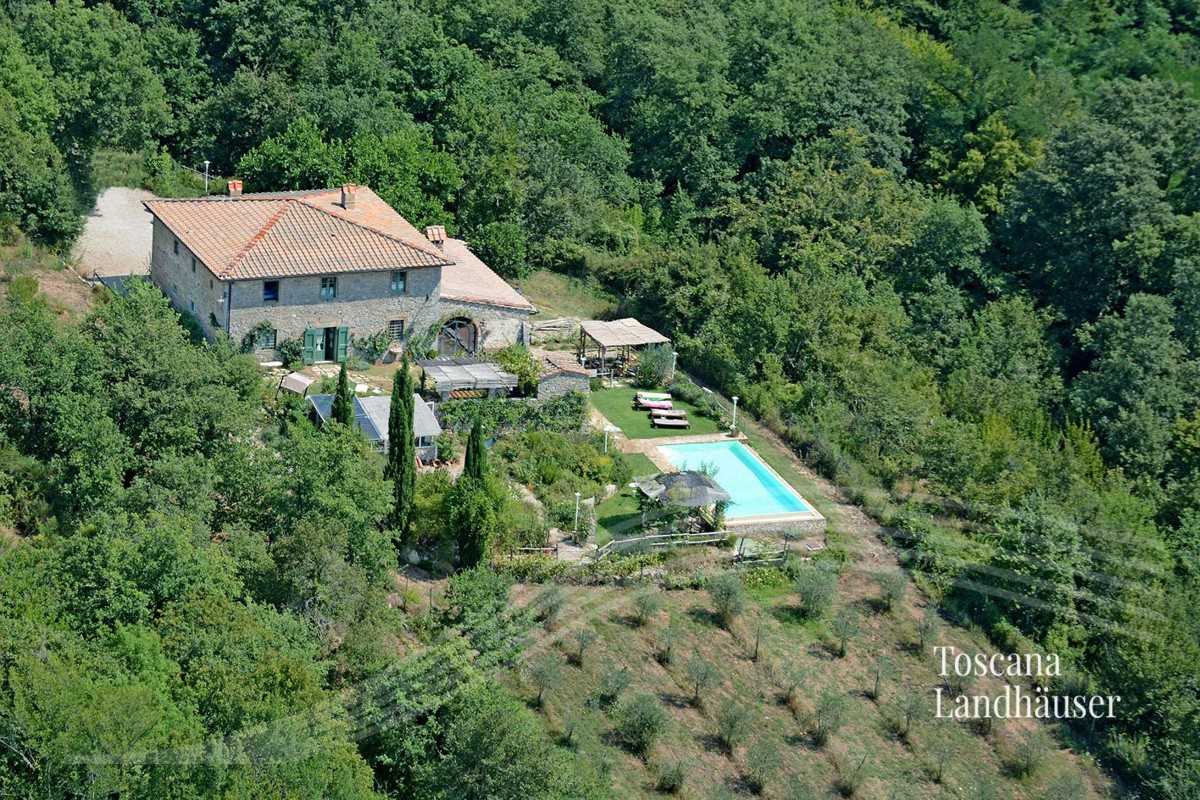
(815, 586)
(669, 778)
(728, 597)
(762, 764)
(518, 360)
(372, 346)
(734, 720)
(653, 367)
(640, 721)
(613, 683)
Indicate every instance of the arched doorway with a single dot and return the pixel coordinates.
(458, 336)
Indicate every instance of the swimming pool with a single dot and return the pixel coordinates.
(757, 491)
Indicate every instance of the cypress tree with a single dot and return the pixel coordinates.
(476, 459)
(343, 400)
(401, 467)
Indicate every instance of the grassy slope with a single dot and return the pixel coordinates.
(67, 295)
(690, 737)
(557, 295)
(617, 405)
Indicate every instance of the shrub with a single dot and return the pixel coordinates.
(1028, 753)
(910, 707)
(845, 628)
(645, 605)
(928, 627)
(851, 773)
(549, 605)
(670, 777)
(545, 673)
(584, 637)
(612, 684)
(892, 587)
(815, 586)
(882, 668)
(727, 596)
(640, 720)
(291, 352)
(372, 346)
(829, 716)
(518, 360)
(762, 764)
(734, 719)
(653, 367)
(666, 644)
(701, 675)
(790, 679)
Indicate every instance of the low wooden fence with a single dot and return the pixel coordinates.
(660, 540)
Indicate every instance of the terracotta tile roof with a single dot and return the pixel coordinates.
(282, 234)
(556, 361)
(472, 281)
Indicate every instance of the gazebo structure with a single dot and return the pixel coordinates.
(463, 378)
(691, 490)
(614, 340)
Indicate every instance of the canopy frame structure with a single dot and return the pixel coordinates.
(620, 337)
(449, 375)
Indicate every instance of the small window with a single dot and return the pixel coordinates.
(175, 247)
(396, 329)
(266, 340)
(210, 283)
(399, 282)
(328, 288)
(193, 263)
(270, 291)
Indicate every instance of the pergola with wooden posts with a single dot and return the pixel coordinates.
(611, 345)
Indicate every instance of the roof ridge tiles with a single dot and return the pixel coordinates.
(430, 252)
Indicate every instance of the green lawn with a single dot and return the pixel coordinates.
(557, 295)
(618, 516)
(640, 465)
(617, 405)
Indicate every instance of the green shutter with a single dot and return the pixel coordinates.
(343, 343)
(309, 354)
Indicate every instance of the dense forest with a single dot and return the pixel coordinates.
(949, 250)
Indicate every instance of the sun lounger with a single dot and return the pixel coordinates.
(668, 413)
(664, 405)
(663, 422)
(654, 395)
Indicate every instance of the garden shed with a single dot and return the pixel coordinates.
(560, 373)
(371, 417)
(611, 345)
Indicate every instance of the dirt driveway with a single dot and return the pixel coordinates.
(116, 237)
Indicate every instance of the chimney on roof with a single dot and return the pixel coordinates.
(436, 234)
(348, 192)
(235, 188)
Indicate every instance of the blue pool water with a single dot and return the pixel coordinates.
(755, 488)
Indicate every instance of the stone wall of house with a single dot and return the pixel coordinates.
(186, 281)
(499, 327)
(559, 383)
(364, 303)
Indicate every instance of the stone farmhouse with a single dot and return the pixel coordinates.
(323, 266)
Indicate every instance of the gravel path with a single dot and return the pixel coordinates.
(116, 237)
